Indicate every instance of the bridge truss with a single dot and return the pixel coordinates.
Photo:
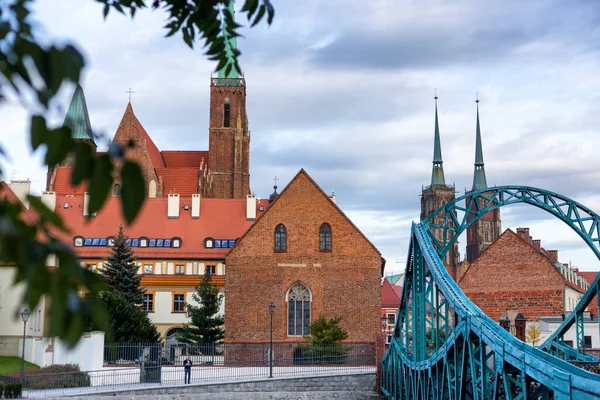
(445, 347)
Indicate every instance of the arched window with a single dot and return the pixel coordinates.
(226, 114)
(280, 238)
(325, 237)
(117, 190)
(298, 298)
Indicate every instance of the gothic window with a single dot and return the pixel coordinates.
(226, 115)
(280, 238)
(487, 236)
(325, 237)
(298, 298)
(117, 190)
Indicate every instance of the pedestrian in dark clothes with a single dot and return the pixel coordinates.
(187, 366)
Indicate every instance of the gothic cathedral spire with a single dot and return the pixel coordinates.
(437, 174)
(479, 181)
(488, 227)
(436, 195)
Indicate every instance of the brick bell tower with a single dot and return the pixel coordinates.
(229, 137)
(436, 195)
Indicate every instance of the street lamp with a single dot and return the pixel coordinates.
(24, 316)
(384, 329)
(271, 311)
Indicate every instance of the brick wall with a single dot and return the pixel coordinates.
(511, 273)
(344, 282)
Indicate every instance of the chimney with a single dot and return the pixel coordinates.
(524, 234)
(195, 205)
(21, 189)
(250, 207)
(173, 206)
(553, 254)
(537, 244)
(86, 205)
(49, 200)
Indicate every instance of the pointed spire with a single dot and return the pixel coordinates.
(479, 181)
(230, 43)
(78, 118)
(437, 173)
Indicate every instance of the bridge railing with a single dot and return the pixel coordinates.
(211, 364)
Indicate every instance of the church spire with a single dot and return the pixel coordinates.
(230, 43)
(77, 117)
(437, 173)
(479, 181)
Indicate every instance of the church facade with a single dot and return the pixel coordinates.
(307, 258)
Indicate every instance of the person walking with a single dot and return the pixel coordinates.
(187, 366)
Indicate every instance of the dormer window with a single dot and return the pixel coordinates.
(117, 189)
(78, 241)
(176, 242)
(209, 243)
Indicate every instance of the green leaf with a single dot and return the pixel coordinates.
(261, 13)
(59, 144)
(100, 183)
(39, 132)
(46, 213)
(133, 192)
(84, 163)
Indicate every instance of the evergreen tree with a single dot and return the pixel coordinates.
(326, 332)
(120, 271)
(128, 322)
(205, 326)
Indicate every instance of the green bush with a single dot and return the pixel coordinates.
(56, 377)
(1, 389)
(12, 390)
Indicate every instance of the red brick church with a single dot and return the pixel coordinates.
(199, 206)
(305, 256)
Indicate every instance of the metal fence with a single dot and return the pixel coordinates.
(134, 366)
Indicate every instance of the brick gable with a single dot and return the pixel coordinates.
(344, 282)
(510, 273)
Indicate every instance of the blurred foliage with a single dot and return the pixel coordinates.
(33, 69)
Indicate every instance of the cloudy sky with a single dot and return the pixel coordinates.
(344, 89)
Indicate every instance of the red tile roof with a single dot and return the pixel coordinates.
(183, 181)
(62, 183)
(589, 276)
(389, 298)
(184, 159)
(219, 219)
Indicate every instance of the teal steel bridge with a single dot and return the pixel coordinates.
(445, 347)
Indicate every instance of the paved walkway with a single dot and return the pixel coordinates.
(118, 380)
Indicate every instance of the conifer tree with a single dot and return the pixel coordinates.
(120, 271)
(128, 322)
(205, 327)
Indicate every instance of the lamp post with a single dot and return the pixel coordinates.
(24, 316)
(271, 311)
(384, 330)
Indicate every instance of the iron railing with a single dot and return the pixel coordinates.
(135, 366)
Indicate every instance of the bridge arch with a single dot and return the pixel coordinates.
(578, 217)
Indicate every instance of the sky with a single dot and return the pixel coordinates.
(344, 89)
